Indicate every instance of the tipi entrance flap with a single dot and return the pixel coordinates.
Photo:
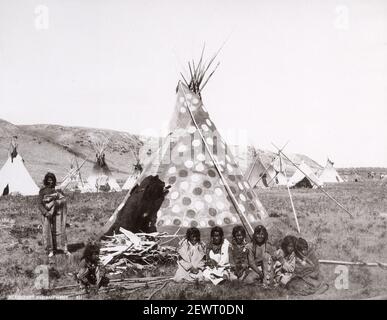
(299, 176)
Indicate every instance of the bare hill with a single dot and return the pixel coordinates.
(47, 147)
(51, 148)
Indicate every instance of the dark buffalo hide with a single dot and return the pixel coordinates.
(139, 214)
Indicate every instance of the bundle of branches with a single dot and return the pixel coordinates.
(126, 250)
(199, 73)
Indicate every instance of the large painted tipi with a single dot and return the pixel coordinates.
(207, 188)
(14, 177)
(329, 174)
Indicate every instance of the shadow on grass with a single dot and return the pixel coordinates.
(73, 247)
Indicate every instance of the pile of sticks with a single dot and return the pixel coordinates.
(129, 285)
(140, 251)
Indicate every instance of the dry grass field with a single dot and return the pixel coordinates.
(335, 235)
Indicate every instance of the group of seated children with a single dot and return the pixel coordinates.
(293, 265)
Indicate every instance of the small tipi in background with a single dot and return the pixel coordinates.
(261, 176)
(329, 174)
(73, 180)
(258, 175)
(300, 180)
(14, 177)
(101, 178)
(207, 188)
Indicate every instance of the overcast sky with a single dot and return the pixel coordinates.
(312, 72)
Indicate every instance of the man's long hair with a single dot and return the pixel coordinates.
(47, 176)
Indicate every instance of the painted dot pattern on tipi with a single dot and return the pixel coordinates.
(198, 197)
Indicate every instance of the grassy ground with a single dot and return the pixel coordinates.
(335, 235)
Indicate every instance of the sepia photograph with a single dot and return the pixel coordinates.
(196, 151)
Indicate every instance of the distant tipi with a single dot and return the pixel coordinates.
(207, 186)
(101, 178)
(14, 177)
(329, 174)
(73, 179)
(259, 175)
(304, 177)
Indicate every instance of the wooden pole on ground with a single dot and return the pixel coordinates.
(357, 263)
(157, 290)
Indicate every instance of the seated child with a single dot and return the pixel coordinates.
(258, 258)
(192, 253)
(285, 260)
(90, 273)
(307, 278)
(217, 263)
(238, 254)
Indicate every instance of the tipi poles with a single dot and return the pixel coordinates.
(266, 169)
(272, 179)
(79, 170)
(294, 210)
(235, 203)
(290, 195)
(251, 169)
(76, 171)
(318, 186)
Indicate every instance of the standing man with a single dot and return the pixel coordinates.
(53, 207)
